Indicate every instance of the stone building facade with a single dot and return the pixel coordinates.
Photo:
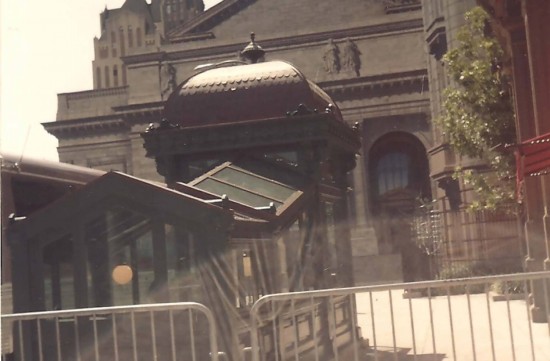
(370, 56)
(522, 27)
(133, 28)
(468, 235)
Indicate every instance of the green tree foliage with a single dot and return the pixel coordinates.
(478, 115)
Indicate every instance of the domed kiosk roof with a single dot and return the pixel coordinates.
(245, 92)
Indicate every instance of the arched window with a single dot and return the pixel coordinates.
(392, 172)
(398, 162)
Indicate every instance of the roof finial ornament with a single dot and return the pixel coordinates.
(253, 52)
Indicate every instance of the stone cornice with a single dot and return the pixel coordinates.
(414, 78)
(140, 113)
(144, 113)
(94, 93)
(85, 127)
(197, 37)
(299, 40)
(138, 107)
(125, 116)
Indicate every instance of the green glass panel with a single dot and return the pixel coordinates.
(235, 194)
(256, 184)
(59, 275)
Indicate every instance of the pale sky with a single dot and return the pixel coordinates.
(46, 48)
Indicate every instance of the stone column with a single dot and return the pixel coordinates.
(363, 238)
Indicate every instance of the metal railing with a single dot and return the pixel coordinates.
(168, 331)
(459, 319)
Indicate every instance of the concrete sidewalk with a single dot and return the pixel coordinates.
(470, 337)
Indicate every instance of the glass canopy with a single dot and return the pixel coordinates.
(246, 187)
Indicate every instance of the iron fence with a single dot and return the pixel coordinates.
(464, 239)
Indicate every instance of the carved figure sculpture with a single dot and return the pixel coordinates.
(169, 79)
(331, 57)
(351, 57)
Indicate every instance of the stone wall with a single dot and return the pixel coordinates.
(90, 103)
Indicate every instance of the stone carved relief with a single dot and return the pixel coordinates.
(331, 57)
(351, 57)
(168, 77)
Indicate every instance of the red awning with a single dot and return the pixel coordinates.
(532, 159)
(533, 156)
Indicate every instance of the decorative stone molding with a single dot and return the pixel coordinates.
(84, 127)
(87, 94)
(409, 81)
(298, 40)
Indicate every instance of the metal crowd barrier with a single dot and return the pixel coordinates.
(168, 331)
(459, 319)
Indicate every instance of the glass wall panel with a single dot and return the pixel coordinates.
(236, 194)
(259, 185)
(143, 263)
(130, 249)
(58, 275)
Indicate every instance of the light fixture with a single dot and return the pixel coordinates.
(122, 274)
